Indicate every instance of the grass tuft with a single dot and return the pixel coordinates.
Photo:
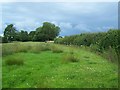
(70, 58)
(45, 47)
(14, 61)
(56, 50)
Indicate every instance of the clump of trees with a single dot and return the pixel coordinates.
(104, 40)
(100, 42)
(46, 32)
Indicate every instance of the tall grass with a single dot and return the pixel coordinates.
(16, 47)
(56, 50)
(7, 50)
(111, 55)
(14, 61)
(44, 47)
(69, 57)
(37, 48)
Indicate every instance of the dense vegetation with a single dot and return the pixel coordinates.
(48, 65)
(43, 33)
(99, 42)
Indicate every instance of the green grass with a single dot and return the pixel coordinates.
(69, 57)
(14, 61)
(47, 70)
(55, 49)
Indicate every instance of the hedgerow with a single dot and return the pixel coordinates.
(101, 40)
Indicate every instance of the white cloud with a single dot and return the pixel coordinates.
(104, 28)
(82, 28)
(55, 22)
(80, 8)
(1, 34)
(66, 25)
(28, 25)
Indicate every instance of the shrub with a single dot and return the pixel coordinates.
(14, 61)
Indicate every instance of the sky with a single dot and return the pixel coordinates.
(71, 17)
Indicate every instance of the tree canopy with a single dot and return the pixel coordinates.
(47, 31)
(10, 33)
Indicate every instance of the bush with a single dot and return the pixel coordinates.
(14, 61)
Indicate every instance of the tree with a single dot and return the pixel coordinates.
(39, 36)
(47, 32)
(17, 37)
(50, 30)
(31, 35)
(23, 36)
(0, 39)
(10, 33)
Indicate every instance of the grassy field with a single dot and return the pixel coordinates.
(47, 65)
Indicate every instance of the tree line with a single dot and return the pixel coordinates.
(47, 31)
(99, 41)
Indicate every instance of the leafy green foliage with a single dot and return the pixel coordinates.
(31, 35)
(103, 40)
(24, 36)
(10, 33)
(96, 41)
(4, 40)
(0, 39)
(47, 32)
(43, 33)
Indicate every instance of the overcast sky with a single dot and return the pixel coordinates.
(73, 18)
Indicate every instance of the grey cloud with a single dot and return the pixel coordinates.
(73, 18)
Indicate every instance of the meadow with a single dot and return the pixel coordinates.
(49, 65)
